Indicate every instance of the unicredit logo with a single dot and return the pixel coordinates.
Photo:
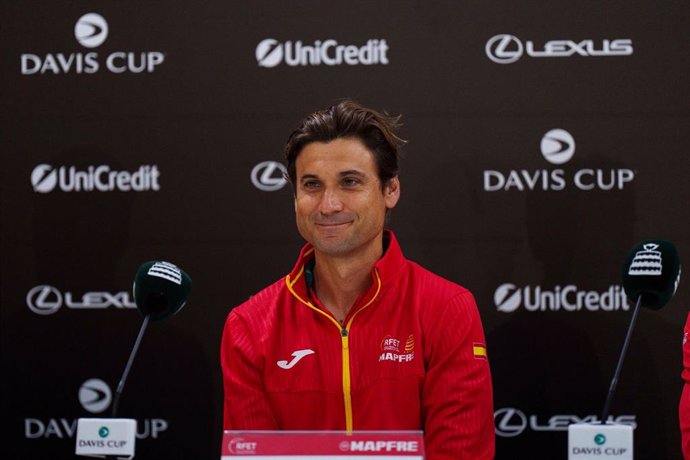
(508, 298)
(269, 176)
(45, 178)
(271, 53)
(91, 30)
(506, 49)
(95, 396)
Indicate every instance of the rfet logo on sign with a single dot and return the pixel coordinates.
(91, 30)
(241, 447)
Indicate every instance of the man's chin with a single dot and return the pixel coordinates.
(332, 246)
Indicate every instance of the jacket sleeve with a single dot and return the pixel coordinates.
(684, 406)
(245, 405)
(457, 396)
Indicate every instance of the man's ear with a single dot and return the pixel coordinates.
(391, 193)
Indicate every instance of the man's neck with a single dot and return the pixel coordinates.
(339, 281)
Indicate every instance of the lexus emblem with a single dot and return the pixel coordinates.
(504, 49)
(269, 176)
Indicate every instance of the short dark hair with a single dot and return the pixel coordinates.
(349, 119)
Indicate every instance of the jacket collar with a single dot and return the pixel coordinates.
(384, 270)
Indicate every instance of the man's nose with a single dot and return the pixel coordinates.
(331, 202)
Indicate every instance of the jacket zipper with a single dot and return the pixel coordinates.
(344, 343)
(347, 396)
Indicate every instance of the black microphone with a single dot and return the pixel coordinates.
(160, 291)
(651, 274)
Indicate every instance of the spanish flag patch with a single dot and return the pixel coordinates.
(479, 351)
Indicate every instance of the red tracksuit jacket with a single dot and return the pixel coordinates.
(684, 406)
(411, 355)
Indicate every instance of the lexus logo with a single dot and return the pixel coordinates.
(269, 176)
(504, 48)
(558, 146)
(95, 395)
(509, 422)
(91, 30)
(44, 300)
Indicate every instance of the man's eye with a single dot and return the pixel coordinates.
(310, 184)
(350, 182)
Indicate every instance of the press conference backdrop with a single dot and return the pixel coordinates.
(545, 139)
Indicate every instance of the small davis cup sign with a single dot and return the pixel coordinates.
(594, 441)
(100, 437)
(323, 445)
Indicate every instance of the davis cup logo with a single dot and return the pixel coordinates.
(95, 395)
(91, 30)
(647, 262)
(557, 146)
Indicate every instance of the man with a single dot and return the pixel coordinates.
(357, 337)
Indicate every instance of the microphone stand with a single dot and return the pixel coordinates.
(616, 374)
(135, 348)
(125, 373)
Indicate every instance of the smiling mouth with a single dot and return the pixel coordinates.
(331, 224)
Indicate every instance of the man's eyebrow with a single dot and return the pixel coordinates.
(308, 176)
(351, 172)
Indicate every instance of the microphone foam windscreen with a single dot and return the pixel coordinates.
(160, 289)
(651, 271)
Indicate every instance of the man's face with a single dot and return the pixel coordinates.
(339, 205)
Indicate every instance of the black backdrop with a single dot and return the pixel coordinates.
(182, 103)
